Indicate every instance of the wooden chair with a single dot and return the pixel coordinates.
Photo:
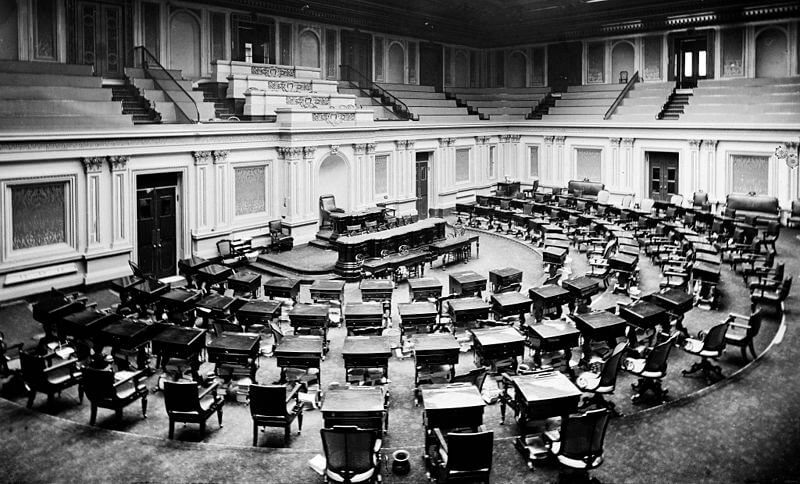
(9, 356)
(578, 444)
(41, 374)
(352, 455)
(105, 391)
(604, 382)
(327, 206)
(270, 406)
(651, 369)
(765, 296)
(185, 403)
(794, 216)
(742, 334)
(461, 456)
(280, 236)
(708, 345)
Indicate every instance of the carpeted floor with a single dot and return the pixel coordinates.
(746, 429)
(303, 258)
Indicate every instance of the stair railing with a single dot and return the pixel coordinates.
(633, 80)
(150, 62)
(367, 86)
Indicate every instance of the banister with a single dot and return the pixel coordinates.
(147, 58)
(633, 80)
(400, 106)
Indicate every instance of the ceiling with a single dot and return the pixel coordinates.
(498, 23)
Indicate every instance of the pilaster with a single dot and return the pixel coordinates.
(548, 163)
(694, 164)
(202, 178)
(93, 166)
(626, 164)
(119, 199)
(560, 161)
(221, 188)
(714, 179)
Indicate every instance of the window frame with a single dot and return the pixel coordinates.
(576, 148)
(388, 156)
(255, 216)
(468, 180)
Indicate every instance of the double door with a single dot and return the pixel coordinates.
(100, 37)
(663, 175)
(691, 61)
(422, 185)
(156, 230)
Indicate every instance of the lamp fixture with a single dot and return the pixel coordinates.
(789, 152)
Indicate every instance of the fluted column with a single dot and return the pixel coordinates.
(410, 175)
(368, 176)
(716, 180)
(612, 172)
(304, 190)
(359, 152)
(93, 166)
(694, 164)
(291, 157)
(119, 200)
(560, 161)
(448, 155)
(626, 164)
(203, 189)
(548, 163)
(482, 159)
(396, 169)
(221, 187)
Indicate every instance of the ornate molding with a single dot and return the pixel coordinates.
(273, 71)
(289, 86)
(334, 149)
(614, 141)
(290, 153)
(118, 163)
(220, 156)
(93, 164)
(710, 144)
(410, 144)
(309, 102)
(333, 118)
(482, 140)
(201, 157)
(627, 142)
(370, 148)
(510, 138)
(446, 142)
(560, 140)
(549, 139)
(359, 148)
(694, 143)
(308, 152)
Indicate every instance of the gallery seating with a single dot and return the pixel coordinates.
(104, 389)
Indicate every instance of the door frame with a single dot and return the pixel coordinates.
(428, 178)
(646, 175)
(673, 50)
(182, 231)
(126, 36)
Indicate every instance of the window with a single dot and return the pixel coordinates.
(533, 161)
(381, 174)
(537, 66)
(217, 36)
(748, 174)
(462, 165)
(492, 161)
(701, 63)
(250, 190)
(687, 64)
(588, 164)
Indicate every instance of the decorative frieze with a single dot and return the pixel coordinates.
(93, 164)
(118, 163)
(333, 118)
(289, 86)
(290, 153)
(310, 102)
(273, 71)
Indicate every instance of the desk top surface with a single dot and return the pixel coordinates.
(216, 301)
(127, 328)
(466, 277)
(428, 223)
(510, 299)
(599, 319)
(367, 345)
(450, 397)
(454, 242)
(376, 285)
(420, 308)
(581, 283)
(552, 329)
(623, 259)
(361, 399)
(327, 285)
(468, 304)
(87, 317)
(179, 335)
(497, 336)
(245, 277)
(544, 386)
(641, 310)
(505, 272)
(358, 213)
(180, 295)
(547, 291)
(425, 283)
(435, 342)
(672, 297)
(310, 310)
(363, 309)
(281, 283)
(234, 342)
(299, 344)
(215, 269)
(193, 262)
(260, 307)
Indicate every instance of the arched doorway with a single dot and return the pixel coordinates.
(621, 60)
(771, 53)
(309, 49)
(517, 65)
(184, 42)
(397, 64)
(334, 178)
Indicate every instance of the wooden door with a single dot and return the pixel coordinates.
(692, 60)
(356, 53)
(662, 175)
(430, 65)
(99, 33)
(259, 35)
(564, 65)
(422, 189)
(156, 230)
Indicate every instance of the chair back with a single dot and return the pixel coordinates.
(647, 204)
(699, 199)
(656, 361)
(715, 338)
(348, 450)
(608, 377)
(582, 435)
(754, 323)
(626, 202)
(99, 384)
(779, 269)
(136, 270)
(603, 196)
(181, 397)
(786, 286)
(275, 227)
(676, 200)
(222, 326)
(327, 202)
(32, 367)
(505, 204)
(475, 377)
(268, 400)
(470, 452)
(224, 247)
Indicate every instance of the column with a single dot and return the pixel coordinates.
(359, 150)
(710, 163)
(93, 166)
(410, 176)
(304, 190)
(202, 188)
(291, 156)
(221, 187)
(515, 162)
(613, 163)
(448, 162)
(119, 199)
(482, 159)
(369, 176)
(694, 163)
(561, 169)
(396, 169)
(547, 165)
(626, 165)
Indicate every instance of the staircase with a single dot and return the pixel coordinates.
(168, 98)
(224, 107)
(675, 105)
(134, 104)
(544, 106)
(384, 109)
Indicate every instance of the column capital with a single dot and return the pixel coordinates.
(93, 164)
(370, 148)
(359, 148)
(201, 157)
(220, 156)
(401, 144)
(710, 144)
(410, 143)
(290, 153)
(482, 140)
(614, 141)
(446, 142)
(118, 163)
(334, 149)
(627, 142)
(560, 140)
(513, 138)
(549, 139)
(308, 152)
(694, 144)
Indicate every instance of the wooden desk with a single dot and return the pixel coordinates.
(706, 272)
(258, 312)
(282, 287)
(432, 350)
(467, 283)
(361, 318)
(451, 406)
(510, 304)
(311, 318)
(363, 352)
(582, 289)
(361, 406)
(551, 336)
(713, 259)
(506, 276)
(492, 345)
(423, 288)
(548, 299)
(467, 309)
(599, 326)
(212, 274)
(538, 396)
(376, 290)
(84, 325)
(123, 286)
(179, 304)
(128, 335)
(216, 306)
(245, 282)
(554, 255)
(457, 249)
(302, 352)
(238, 350)
(645, 315)
(415, 315)
(147, 292)
(677, 302)
(188, 268)
(340, 220)
(327, 290)
(179, 342)
(413, 261)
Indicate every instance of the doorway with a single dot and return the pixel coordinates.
(356, 53)
(334, 179)
(564, 65)
(156, 223)
(259, 35)
(662, 174)
(430, 65)
(99, 36)
(422, 184)
(691, 59)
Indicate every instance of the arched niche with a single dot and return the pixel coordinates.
(397, 64)
(309, 49)
(334, 178)
(772, 57)
(622, 59)
(462, 72)
(184, 44)
(517, 69)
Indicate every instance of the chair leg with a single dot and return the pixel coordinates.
(219, 416)
(80, 393)
(144, 406)
(752, 350)
(171, 428)
(299, 423)
(118, 413)
(286, 432)
(744, 354)
(203, 429)
(93, 415)
(31, 398)
(255, 434)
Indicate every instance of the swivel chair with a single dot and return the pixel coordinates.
(578, 445)
(461, 456)
(651, 369)
(270, 406)
(604, 382)
(352, 455)
(708, 345)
